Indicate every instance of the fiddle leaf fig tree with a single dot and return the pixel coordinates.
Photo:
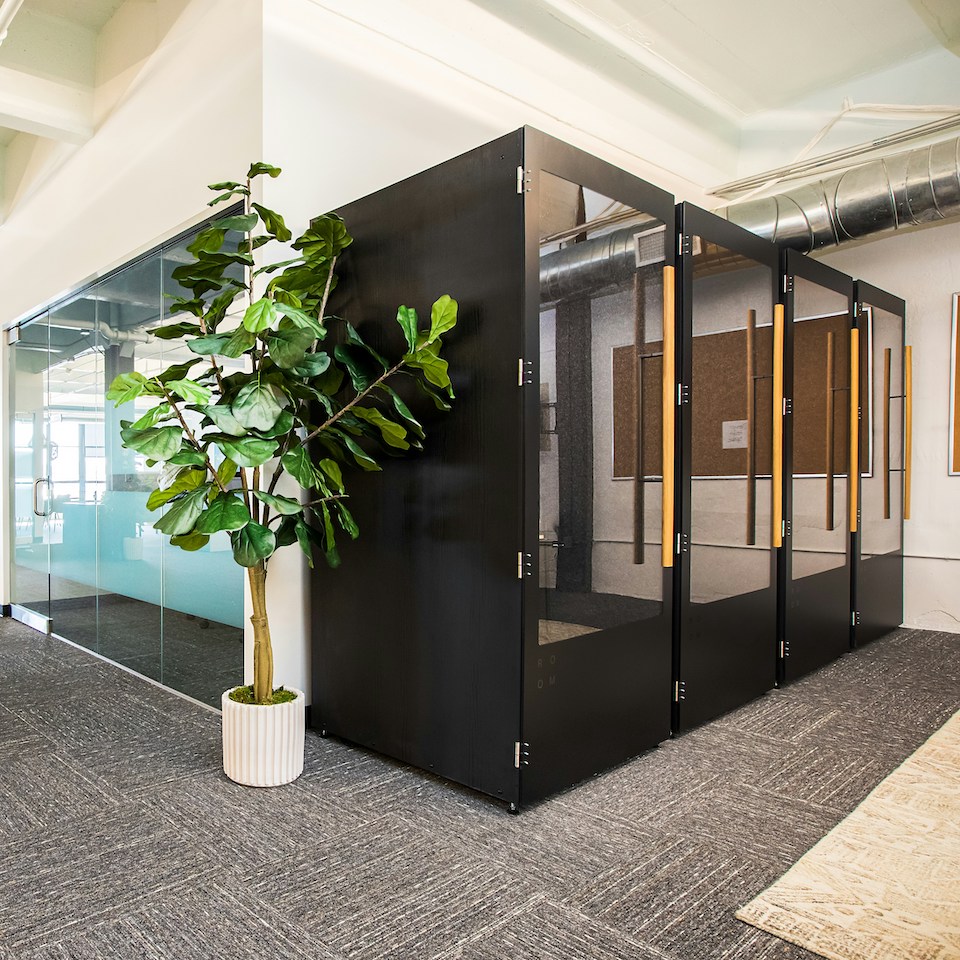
(274, 388)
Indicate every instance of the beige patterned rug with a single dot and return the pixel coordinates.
(885, 882)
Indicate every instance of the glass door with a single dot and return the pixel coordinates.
(725, 650)
(878, 579)
(598, 598)
(30, 507)
(820, 436)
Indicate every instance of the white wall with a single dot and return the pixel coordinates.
(923, 267)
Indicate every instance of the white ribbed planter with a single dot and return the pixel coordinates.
(262, 745)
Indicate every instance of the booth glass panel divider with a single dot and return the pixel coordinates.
(878, 568)
(816, 560)
(727, 597)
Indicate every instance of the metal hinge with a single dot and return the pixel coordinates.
(684, 245)
(683, 542)
(524, 372)
(683, 394)
(855, 618)
(524, 565)
(784, 649)
(788, 284)
(787, 406)
(521, 754)
(679, 691)
(523, 181)
(785, 528)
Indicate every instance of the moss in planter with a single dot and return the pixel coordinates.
(245, 695)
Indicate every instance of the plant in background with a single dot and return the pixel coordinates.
(312, 398)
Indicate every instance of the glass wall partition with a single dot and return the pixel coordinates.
(88, 564)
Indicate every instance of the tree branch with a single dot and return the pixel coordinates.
(191, 436)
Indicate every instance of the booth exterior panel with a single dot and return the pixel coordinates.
(417, 637)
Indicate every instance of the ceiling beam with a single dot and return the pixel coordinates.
(46, 108)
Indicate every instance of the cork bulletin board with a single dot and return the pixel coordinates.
(722, 422)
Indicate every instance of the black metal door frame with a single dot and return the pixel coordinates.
(876, 596)
(739, 662)
(592, 701)
(805, 642)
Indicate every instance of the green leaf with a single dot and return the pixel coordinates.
(407, 318)
(208, 240)
(332, 469)
(188, 456)
(183, 513)
(260, 315)
(274, 267)
(246, 451)
(187, 480)
(126, 387)
(298, 464)
(282, 427)
(226, 471)
(288, 347)
(256, 406)
(362, 458)
(302, 319)
(244, 222)
(325, 238)
(159, 443)
(224, 420)
(209, 345)
(241, 340)
(403, 410)
(433, 366)
(273, 222)
(303, 538)
(189, 390)
(282, 505)
(394, 435)
(243, 191)
(286, 532)
(181, 305)
(256, 169)
(358, 364)
(152, 417)
(173, 331)
(312, 365)
(347, 521)
(329, 545)
(225, 512)
(252, 544)
(358, 341)
(443, 317)
(190, 541)
(224, 185)
(177, 371)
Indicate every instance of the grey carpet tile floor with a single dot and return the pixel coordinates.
(121, 838)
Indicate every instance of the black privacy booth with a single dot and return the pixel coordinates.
(505, 618)
(639, 513)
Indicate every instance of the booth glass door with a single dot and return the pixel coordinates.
(820, 436)
(598, 604)
(725, 649)
(878, 579)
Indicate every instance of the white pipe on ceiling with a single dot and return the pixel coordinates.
(8, 10)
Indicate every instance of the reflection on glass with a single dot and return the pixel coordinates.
(601, 273)
(821, 428)
(732, 425)
(94, 562)
(881, 488)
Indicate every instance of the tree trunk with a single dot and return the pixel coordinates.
(262, 648)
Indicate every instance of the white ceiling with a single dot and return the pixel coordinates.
(721, 88)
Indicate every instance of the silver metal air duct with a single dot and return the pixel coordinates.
(916, 186)
(594, 265)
